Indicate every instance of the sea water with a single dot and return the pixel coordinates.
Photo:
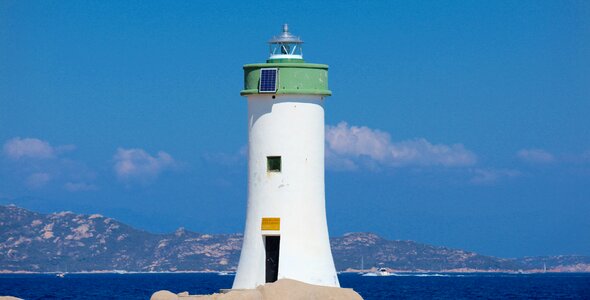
(406, 286)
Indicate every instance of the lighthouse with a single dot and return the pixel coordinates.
(286, 232)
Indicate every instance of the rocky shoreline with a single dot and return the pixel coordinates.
(286, 289)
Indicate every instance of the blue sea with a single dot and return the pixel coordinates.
(414, 286)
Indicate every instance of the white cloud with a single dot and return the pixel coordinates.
(488, 176)
(37, 180)
(348, 146)
(18, 148)
(139, 166)
(79, 186)
(228, 159)
(37, 163)
(32, 148)
(535, 156)
(339, 162)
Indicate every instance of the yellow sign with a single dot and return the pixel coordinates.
(271, 224)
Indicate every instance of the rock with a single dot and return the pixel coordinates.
(292, 289)
(164, 295)
(284, 289)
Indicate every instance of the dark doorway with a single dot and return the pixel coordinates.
(271, 245)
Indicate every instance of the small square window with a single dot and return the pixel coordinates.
(273, 163)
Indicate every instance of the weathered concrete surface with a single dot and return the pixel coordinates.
(164, 295)
(284, 289)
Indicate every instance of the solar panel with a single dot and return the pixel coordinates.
(268, 80)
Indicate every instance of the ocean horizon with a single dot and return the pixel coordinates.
(403, 286)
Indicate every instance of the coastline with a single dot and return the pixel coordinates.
(349, 271)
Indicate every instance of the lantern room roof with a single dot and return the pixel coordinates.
(285, 37)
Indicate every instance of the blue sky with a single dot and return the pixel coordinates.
(464, 124)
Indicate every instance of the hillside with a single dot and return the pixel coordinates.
(35, 242)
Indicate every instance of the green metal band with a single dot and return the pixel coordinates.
(281, 91)
(294, 78)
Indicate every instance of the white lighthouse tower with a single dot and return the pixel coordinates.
(286, 234)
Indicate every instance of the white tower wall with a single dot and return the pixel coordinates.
(292, 127)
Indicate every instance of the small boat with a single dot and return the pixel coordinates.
(379, 272)
(225, 273)
(60, 274)
(383, 272)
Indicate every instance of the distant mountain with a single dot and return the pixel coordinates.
(63, 241)
(376, 251)
(409, 255)
(66, 241)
